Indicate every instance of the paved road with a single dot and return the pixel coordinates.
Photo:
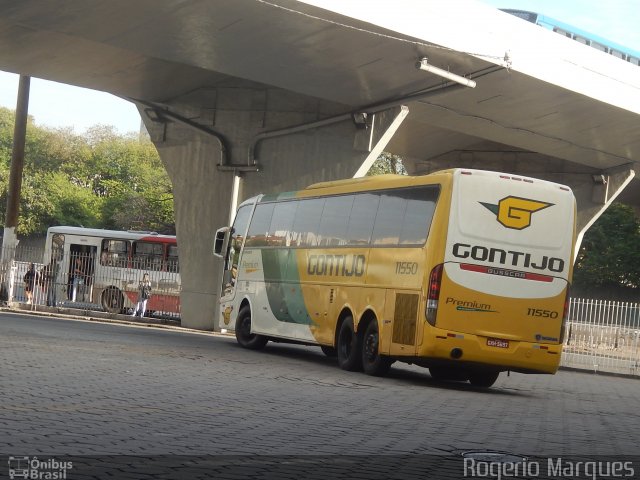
(103, 390)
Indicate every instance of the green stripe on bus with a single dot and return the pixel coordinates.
(282, 283)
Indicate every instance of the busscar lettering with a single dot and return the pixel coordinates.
(507, 257)
(336, 265)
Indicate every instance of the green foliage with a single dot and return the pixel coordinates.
(100, 179)
(609, 255)
(387, 163)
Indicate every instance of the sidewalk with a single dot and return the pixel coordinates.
(85, 311)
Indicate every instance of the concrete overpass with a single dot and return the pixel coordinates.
(244, 96)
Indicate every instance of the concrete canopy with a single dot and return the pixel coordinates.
(544, 105)
(557, 97)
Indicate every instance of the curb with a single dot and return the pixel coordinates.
(103, 317)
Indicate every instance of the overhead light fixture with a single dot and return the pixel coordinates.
(423, 65)
(360, 119)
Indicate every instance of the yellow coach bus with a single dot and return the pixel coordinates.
(465, 272)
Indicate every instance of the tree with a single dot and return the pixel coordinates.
(387, 163)
(100, 179)
(609, 255)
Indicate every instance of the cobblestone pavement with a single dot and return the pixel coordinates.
(85, 388)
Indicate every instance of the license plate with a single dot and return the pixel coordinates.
(497, 342)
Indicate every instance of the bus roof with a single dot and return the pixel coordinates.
(96, 232)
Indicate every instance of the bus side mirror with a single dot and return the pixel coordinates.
(221, 241)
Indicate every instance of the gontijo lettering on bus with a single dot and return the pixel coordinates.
(337, 265)
(507, 257)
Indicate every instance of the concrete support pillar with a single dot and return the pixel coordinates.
(259, 125)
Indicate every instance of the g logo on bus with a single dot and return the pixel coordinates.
(515, 212)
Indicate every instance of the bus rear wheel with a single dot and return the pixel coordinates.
(349, 347)
(372, 362)
(244, 336)
(112, 300)
(483, 379)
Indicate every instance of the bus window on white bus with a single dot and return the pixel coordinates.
(115, 253)
(147, 256)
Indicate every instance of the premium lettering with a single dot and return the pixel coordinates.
(507, 257)
(336, 265)
(468, 305)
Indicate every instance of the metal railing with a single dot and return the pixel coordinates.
(603, 336)
(90, 282)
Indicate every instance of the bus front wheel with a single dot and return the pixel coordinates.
(112, 300)
(244, 336)
(483, 379)
(372, 362)
(349, 347)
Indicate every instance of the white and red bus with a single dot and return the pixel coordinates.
(105, 266)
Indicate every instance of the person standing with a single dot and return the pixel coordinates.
(78, 277)
(30, 279)
(48, 276)
(144, 293)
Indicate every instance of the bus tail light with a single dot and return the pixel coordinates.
(435, 279)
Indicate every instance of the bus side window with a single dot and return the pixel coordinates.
(114, 253)
(240, 225)
(172, 259)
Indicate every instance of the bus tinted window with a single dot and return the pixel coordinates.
(281, 224)
(259, 229)
(306, 223)
(335, 220)
(417, 218)
(386, 230)
(404, 216)
(363, 216)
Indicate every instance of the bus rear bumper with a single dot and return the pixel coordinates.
(447, 347)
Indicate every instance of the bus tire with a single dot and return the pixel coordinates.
(349, 347)
(328, 351)
(483, 379)
(373, 362)
(112, 300)
(245, 338)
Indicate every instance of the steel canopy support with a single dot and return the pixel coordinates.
(606, 186)
(381, 130)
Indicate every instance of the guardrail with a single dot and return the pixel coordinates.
(102, 285)
(603, 336)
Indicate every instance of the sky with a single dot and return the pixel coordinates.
(58, 105)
